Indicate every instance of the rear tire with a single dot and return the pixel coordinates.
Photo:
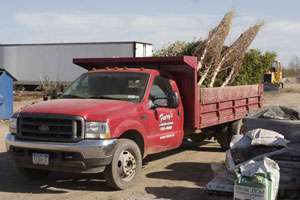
(33, 174)
(223, 136)
(126, 165)
(226, 132)
(198, 138)
(237, 127)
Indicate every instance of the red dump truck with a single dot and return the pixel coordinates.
(121, 110)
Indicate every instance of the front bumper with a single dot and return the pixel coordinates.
(86, 156)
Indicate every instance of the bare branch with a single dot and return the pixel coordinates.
(235, 67)
(210, 50)
(236, 52)
(203, 77)
(217, 69)
(201, 60)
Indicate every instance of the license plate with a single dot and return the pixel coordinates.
(40, 159)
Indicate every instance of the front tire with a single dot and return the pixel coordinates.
(126, 165)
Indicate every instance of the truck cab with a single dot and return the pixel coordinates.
(106, 120)
(127, 101)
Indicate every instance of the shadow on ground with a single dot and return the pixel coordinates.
(198, 173)
(186, 146)
(59, 183)
(12, 181)
(183, 193)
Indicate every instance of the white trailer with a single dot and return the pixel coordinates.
(30, 63)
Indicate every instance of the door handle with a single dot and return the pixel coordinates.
(143, 117)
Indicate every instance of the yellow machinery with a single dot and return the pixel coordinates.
(274, 76)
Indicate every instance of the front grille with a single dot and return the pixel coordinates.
(56, 128)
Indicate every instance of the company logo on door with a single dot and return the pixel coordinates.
(166, 122)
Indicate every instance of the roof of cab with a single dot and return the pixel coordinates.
(121, 69)
(183, 63)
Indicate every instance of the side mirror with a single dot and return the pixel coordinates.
(152, 105)
(158, 102)
(173, 100)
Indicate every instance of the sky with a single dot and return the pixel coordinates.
(155, 21)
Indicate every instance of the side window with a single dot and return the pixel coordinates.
(160, 90)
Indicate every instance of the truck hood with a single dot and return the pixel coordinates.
(90, 109)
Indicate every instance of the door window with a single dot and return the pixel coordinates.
(160, 90)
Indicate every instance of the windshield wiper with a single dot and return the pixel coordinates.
(104, 97)
(72, 96)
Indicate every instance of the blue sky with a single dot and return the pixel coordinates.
(155, 21)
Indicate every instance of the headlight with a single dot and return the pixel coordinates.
(13, 125)
(97, 130)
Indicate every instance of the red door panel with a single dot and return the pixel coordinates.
(165, 125)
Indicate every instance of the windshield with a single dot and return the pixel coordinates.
(109, 85)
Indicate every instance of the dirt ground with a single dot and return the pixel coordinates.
(179, 174)
(289, 96)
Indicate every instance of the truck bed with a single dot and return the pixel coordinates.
(224, 104)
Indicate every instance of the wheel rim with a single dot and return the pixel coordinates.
(126, 166)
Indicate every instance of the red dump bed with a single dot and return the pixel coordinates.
(223, 104)
(202, 107)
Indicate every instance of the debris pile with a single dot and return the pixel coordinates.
(278, 112)
(257, 160)
(283, 120)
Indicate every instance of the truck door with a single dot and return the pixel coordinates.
(165, 125)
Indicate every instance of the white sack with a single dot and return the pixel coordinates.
(240, 141)
(266, 137)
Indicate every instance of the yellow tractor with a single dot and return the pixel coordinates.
(273, 77)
